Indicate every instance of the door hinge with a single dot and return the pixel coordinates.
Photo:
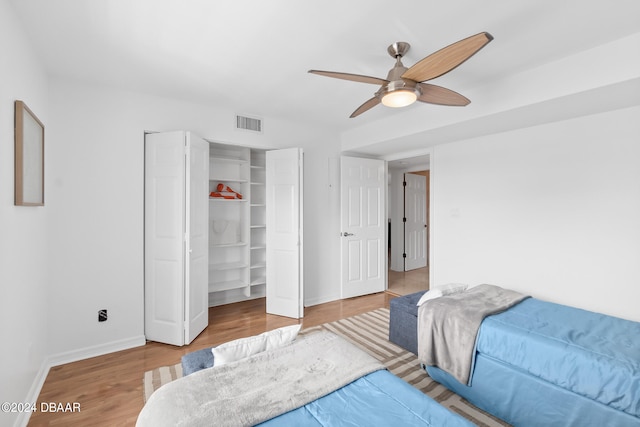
(404, 255)
(404, 183)
(404, 219)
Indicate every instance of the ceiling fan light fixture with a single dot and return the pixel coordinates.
(404, 86)
(399, 98)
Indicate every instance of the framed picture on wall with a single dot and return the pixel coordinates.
(29, 157)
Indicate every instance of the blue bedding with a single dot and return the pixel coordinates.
(523, 400)
(590, 354)
(377, 399)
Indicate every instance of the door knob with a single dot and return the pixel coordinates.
(345, 234)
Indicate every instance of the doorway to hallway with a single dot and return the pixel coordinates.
(408, 225)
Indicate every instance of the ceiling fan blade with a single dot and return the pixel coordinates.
(433, 94)
(351, 77)
(366, 106)
(446, 59)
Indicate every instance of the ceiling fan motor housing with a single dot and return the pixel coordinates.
(398, 49)
(401, 84)
(397, 83)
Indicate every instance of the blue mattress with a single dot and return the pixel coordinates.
(590, 354)
(545, 364)
(377, 399)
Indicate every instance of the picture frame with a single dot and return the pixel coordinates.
(29, 157)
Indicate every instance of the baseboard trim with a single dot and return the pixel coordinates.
(96, 350)
(316, 301)
(68, 357)
(34, 392)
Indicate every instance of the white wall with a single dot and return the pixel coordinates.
(23, 239)
(96, 203)
(550, 210)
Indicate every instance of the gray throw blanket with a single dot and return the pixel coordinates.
(448, 326)
(261, 387)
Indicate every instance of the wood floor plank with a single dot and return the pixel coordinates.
(109, 388)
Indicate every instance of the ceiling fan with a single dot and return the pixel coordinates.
(403, 86)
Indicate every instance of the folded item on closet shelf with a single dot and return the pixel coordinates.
(217, 195)
(225, 188)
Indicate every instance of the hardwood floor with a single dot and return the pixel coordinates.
(408, 282)
(109, 388)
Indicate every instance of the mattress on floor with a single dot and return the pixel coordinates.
(590, 354)
(523, 400)
(377, 399)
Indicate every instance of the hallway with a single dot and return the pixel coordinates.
(408, 282)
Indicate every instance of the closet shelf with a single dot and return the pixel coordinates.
(259, 265)
(232, 160)
(259, 281)
(229, 245)
(226, 286)
(228, 266)
(228, 179)
(223, 200)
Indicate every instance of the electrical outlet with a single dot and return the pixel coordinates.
(102, 315)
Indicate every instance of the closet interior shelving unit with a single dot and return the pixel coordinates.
(237, 224)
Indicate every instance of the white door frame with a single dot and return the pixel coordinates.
(395, 212)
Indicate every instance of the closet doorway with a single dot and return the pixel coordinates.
(408, 215)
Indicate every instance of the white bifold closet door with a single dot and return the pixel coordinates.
(176, 237)
(284, 232)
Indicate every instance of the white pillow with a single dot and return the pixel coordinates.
(238, 349)
(282, 336)
(441, 291)
(245, 347)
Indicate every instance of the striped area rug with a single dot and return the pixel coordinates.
(155, 378)
(369, 331)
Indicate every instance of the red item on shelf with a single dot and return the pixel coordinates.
(215, 194)
(225, 188)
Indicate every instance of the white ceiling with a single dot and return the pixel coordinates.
(253, 55)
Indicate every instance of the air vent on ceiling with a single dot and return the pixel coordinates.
(252, 124)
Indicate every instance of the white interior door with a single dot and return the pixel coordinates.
(164, 264)
(363, 223)
(197, 232)
(284, 232)
(415, 212)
